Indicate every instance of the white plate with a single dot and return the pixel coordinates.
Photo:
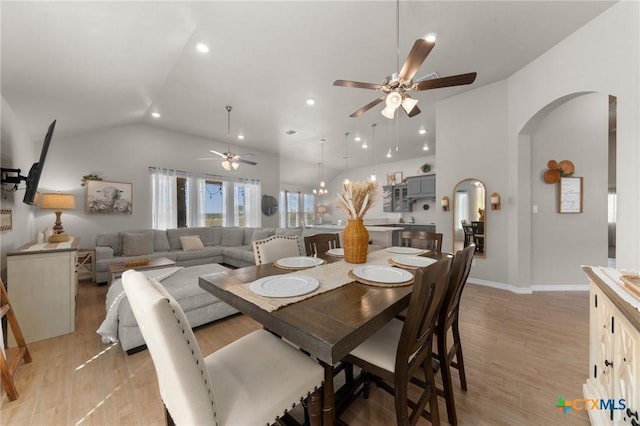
(336, 252)
(404, 250)
(413, 261)
(382, 274)
(284, 285)
(299, 262)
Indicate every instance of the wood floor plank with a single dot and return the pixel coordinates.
(521, 353)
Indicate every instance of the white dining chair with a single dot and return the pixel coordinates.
(277, 247)
(252, 381)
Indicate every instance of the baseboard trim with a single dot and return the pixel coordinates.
(528, 290)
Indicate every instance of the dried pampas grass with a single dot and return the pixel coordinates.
(357, 198)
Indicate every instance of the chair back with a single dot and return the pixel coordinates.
(422, 239)
(457, 279)
(415, 345)
(468, 234)
(185, 386)
(321, 243)
(276, 247)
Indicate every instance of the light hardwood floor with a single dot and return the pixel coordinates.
(522, 352)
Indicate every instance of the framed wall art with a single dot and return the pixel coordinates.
(570, 195)
(397, 178)
(6, 223)
(109, 197)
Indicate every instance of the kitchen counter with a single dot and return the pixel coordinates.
(378, 235)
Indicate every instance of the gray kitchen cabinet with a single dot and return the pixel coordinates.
(395, 199)
(421, 186)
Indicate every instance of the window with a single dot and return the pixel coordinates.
(182, 199)
(297, 210)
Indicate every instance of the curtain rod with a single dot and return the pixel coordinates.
(225, 178)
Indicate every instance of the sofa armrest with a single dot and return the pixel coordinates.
(104, 253)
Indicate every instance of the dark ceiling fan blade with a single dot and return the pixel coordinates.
(453, 80)
(240, 160)
(357, 84)
(368, 106)
(218, 153)
(415, 111)
(419, 52)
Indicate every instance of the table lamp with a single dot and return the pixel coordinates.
(58, 202)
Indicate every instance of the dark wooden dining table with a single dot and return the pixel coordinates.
(328, 326)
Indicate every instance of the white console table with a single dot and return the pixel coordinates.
(42, 283)
(614, 350)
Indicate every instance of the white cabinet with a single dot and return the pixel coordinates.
(42, 284)
(613, 357)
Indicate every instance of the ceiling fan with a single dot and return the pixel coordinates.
(229, 159)
(396, 86)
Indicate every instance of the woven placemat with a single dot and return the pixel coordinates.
(378, 284)
(296, 268)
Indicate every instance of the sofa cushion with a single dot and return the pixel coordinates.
(191, 242)
(261, 234)
(241, 253)
(160, 241)
(207, 255)
(232, 237)
(137, 244)
(111, 239)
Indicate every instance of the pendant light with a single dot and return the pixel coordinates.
(322, 190)
(346, 157)
(373, 148)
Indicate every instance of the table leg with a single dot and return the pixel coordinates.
(328, 409)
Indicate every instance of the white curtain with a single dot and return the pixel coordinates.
(227, 204)
(196, 215)
(461, 212)
(253, 204)
(163, 198)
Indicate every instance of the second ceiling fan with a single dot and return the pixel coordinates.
(396, 86)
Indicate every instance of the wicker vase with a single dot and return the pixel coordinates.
(355, 241)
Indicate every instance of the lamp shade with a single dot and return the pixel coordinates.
(57, 201)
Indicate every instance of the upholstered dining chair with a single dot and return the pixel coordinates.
(276, 247)
(321, 243)
(399, 350)
(422, 239)
(448, 320)
(251, 381)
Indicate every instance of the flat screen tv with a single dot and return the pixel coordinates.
(35, 172)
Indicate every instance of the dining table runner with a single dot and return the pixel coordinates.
(329, 275)
(611, 277)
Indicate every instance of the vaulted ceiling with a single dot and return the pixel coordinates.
(99, 64)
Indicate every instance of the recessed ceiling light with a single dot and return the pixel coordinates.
(422, 131)
(357, 139)
(155, 114)
(425, 147)
(431, 37)
(311, 101)
(202, 48)
(241, 137)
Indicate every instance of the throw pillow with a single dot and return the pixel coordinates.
(137, 244)
(191, 243)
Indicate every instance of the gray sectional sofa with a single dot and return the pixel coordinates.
(215, 245)
(232, 246)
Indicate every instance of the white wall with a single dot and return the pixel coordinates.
(124, 154)
(17, 151)
(472, 140)
(484, 134)
(560, 243)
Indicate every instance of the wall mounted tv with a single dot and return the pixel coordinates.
(13, 176)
